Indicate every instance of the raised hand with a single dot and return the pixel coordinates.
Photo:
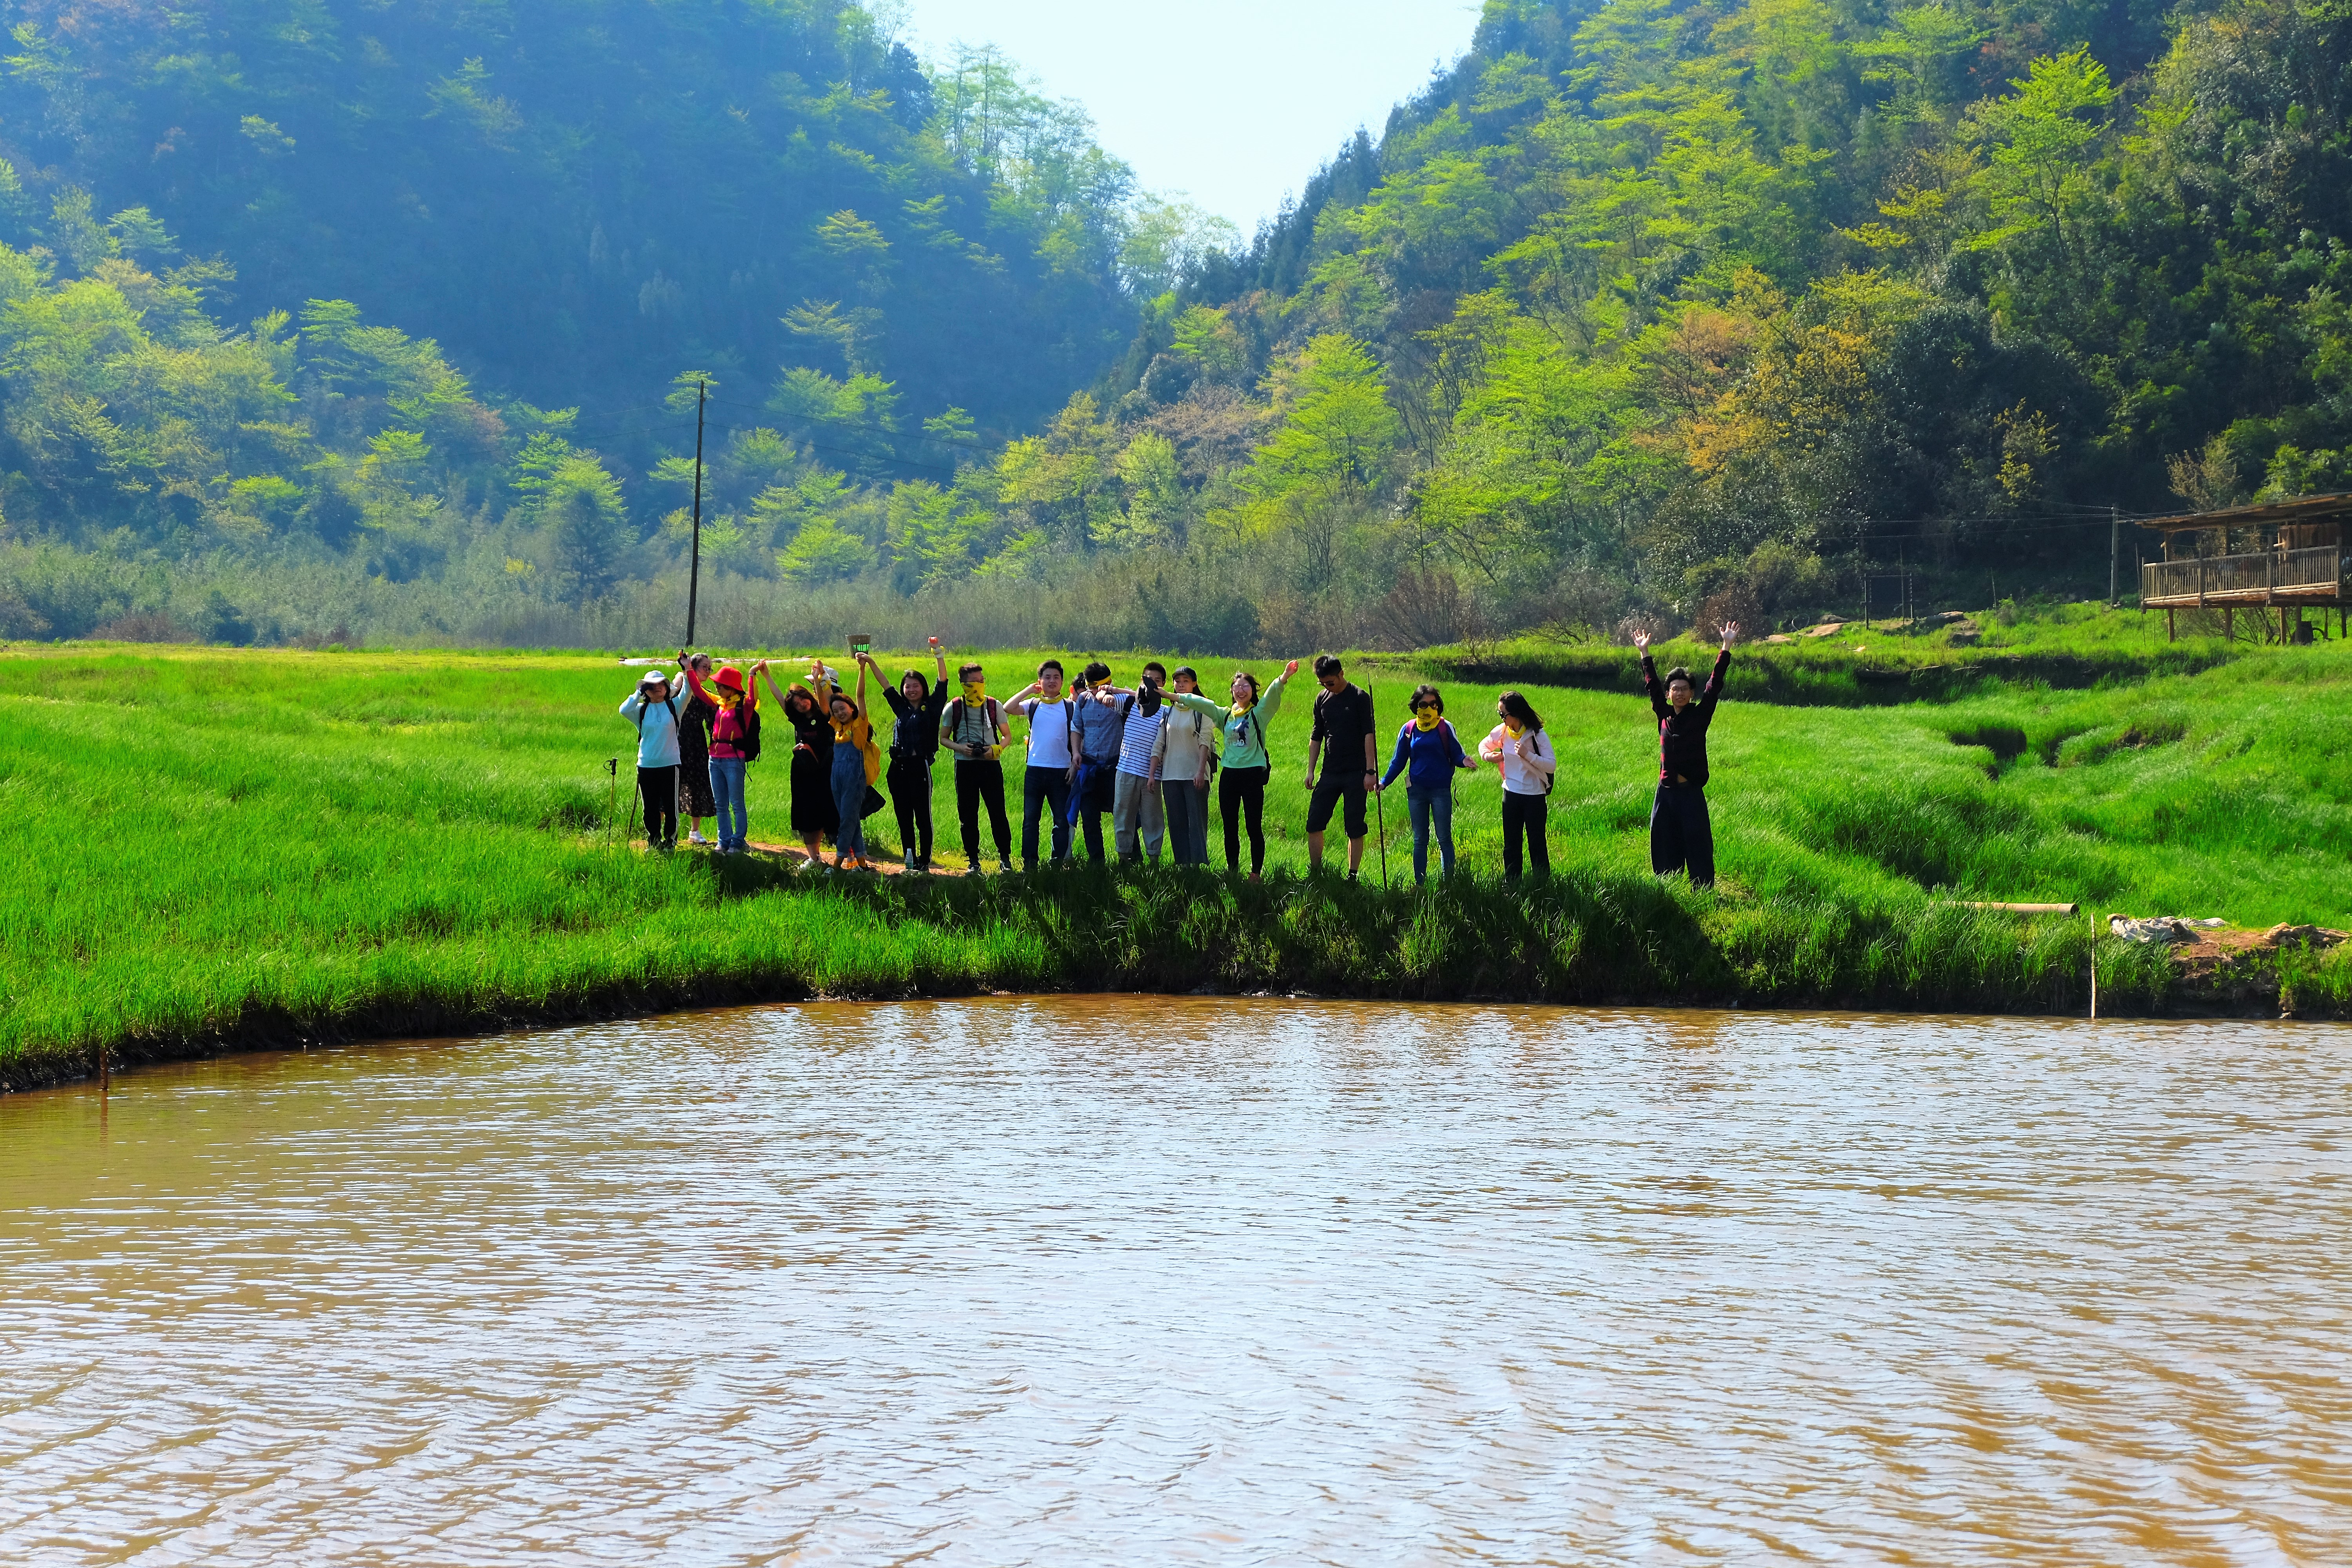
(1290, 669)
(1642, 642)
(1730, 630)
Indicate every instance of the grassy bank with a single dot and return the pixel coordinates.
(226, 846)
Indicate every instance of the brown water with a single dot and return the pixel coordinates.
(1111, 1280)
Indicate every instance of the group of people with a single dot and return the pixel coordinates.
(1146, 757)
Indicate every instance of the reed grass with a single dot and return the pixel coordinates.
(221, 846)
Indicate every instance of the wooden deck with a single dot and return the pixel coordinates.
(2308, 579)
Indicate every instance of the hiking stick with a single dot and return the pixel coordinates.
(612, 796)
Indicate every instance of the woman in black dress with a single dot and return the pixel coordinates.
(814, 815)
(695, 801)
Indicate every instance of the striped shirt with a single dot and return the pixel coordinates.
(1141, 739)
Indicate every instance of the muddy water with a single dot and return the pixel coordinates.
(1140, 1281)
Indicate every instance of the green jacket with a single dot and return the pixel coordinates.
(1244, 736)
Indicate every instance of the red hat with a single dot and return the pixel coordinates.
(731, 678)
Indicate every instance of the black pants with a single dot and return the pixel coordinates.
(1524, 813)
(1680, 833)
(909, 779)
(658, 788)
(1044, 790)
(1242, 791)
(977, 781)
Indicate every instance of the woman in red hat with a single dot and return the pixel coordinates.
(734, 743)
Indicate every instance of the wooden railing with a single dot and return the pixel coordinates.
(2241, 579)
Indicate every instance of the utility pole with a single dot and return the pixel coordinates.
(2115, 552)
(694, 569)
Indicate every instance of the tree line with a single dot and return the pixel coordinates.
(1639, 313)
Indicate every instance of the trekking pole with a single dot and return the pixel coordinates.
(612, 796)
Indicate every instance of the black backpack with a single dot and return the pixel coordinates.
(751, 743)
(668, 702)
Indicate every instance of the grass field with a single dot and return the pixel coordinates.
(224, 847)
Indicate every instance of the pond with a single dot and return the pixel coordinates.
(1127, 1279)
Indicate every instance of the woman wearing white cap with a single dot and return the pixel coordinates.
(656, 713)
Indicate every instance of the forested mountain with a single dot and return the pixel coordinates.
(1645, 309)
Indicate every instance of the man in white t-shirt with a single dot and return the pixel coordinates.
(1052, 763)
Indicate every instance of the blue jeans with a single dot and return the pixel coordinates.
(1432, 804)
(727, 789)
(849, 799)
(1044, 789)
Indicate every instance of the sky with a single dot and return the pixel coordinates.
(1234, 102)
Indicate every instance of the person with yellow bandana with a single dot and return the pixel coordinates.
(914, 742)
(1241, 790)
(856, 763)
(1522, 752)
(975, 730)
(1429, 744)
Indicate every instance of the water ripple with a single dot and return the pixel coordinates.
(1121, 1280)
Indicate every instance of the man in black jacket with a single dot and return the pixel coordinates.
(1680, 833)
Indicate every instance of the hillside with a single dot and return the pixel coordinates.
(1649, 311)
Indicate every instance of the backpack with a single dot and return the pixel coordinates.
(994, 717)
(668, 702)
(1069, 725)
(1199, 720)
(750, 745)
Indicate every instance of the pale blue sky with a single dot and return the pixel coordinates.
(1232, 101)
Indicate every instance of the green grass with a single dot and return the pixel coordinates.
(221, 846)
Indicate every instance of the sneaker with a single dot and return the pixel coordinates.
(977, 870)
(699, 841)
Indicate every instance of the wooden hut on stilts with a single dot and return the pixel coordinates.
(2276, 561)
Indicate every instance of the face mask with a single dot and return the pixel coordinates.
(1425, 719)
(975, 693)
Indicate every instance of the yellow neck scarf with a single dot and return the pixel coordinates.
(1513, 726)
(1426, 719)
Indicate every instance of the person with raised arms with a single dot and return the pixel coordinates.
(914, 743)
(1248, 765)
(1343, 724)
(1097, 729)
(1681, 834)
(1137, 822)
(1053, 761)
(856, 763)
(734, 743)
(975, 730)
(694, 800)
(1522, 752)
(1428, 743)
(806, 707)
